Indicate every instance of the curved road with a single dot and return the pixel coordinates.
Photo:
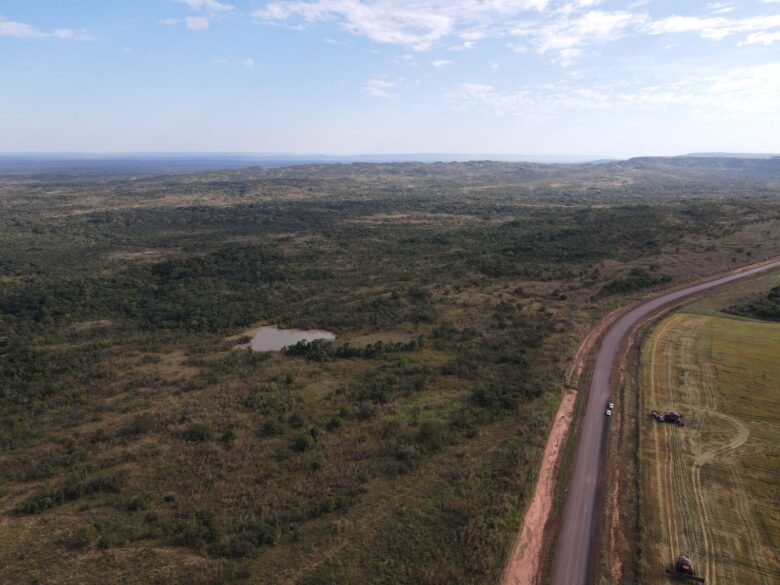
(572, 558)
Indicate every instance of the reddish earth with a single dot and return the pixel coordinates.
(523, 565)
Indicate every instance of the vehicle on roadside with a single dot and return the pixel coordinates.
(610, 406)
(608, 412)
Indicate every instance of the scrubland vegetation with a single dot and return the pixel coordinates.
(764, 307)
(140, 441)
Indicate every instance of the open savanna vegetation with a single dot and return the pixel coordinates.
(142, 442)
(710, 488)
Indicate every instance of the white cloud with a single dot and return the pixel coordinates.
(464, 46)
(441, 62)
(379, 88)
(477, 88)
(563, 30)
(716, 27)
(587, 3)
(567, 57)
(762, 38)
(196, 22)
(576, 5)
(207, 11)
(721, 7)
(419, 24)
(744, 92)
(569, 33)
(559, 28)
(408, 59)
(207, 5)
(473, 35)
(9, 28)
(566, 37)
(247, 62)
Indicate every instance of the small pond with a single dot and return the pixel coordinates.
(274, 339)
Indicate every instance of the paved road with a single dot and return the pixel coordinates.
(572, 559)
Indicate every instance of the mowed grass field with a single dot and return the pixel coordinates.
(711, 488)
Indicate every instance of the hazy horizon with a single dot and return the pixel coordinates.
(505, 156)
(196, 153)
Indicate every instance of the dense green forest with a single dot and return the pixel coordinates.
(767, 308)
(142, 441)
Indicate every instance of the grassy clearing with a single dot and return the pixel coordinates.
(710, 488)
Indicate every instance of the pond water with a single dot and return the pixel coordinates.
(274, 339)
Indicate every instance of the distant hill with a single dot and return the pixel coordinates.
(705, 171)
(731, 155)
(692, 166)
(64, 165)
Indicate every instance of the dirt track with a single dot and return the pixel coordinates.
(572, 560)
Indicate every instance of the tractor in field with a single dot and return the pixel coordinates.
(669, 417)
(683, 569)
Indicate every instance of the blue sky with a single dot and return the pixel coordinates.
(595, 77)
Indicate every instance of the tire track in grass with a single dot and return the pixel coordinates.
(676, 496)
(709, 461)
(747, 518)
(690, 512)
(738, 495)
(659, 468)
(680, 533)
(676, 347)
(702, 393)
(708, 383)
(680, 485)
(665, 470)
(723, 542)
(694, 392)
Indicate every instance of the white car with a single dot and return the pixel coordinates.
(610, 406)
(608, 412)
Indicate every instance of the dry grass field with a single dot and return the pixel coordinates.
(710, 488)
